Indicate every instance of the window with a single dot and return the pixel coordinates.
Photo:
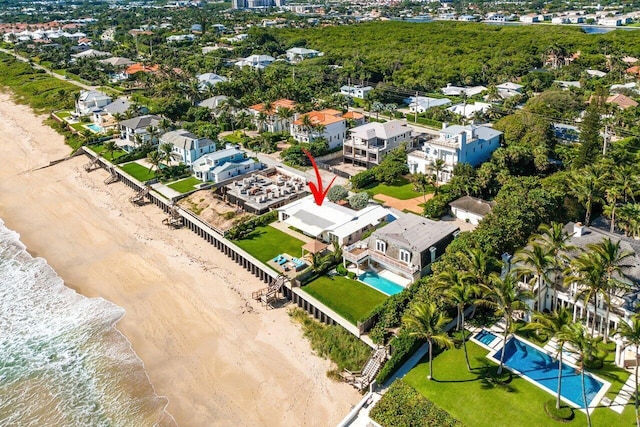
(405, 256)
(381, 246)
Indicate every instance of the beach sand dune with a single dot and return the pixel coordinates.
(219, 357)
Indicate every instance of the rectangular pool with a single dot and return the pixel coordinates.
(485, 337)
(95, 128)
(381, 284)
(542, 369)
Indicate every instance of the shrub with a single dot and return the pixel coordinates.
(438, 206)
(341, 270)
(359, 200)
(351, 275)
(404, 345)
(364, 178)
(337, 193)
(402, 405)
(245, 228)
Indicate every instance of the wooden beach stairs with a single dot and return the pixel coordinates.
(92, 165)
(270, 294)
(114, 177)
(362, 379)
(139, 198)
(174, 220)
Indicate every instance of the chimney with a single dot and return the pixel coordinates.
(578, 229)
(463, 138)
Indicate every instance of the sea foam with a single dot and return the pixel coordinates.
(62, 362)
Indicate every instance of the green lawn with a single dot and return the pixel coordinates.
(475, 402)
(351, 299)
(236, 138)
(185, 185)
(139, 172)
(99, 149)
(401, 189)
(266, 243)
(63, 114)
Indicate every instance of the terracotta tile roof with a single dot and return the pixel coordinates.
(138, 67)
(622, 101)
(354, 115)
(323, 117)
(280, 103)
(634, 70)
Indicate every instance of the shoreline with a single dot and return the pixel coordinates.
(218, 357)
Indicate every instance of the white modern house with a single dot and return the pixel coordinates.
(135, 131)
(406, 246)
(468, 91)
(328, 124)
(368, 144)
(209, 80)
(186, 147)
(332, 222)
(509, 89)
(470, 209)
(624, 302)
(420, 104)
(356, 91)
(258, 62)
(224, 164)
(456, 144)
(469, 110)
(297, 54)
(91, 101)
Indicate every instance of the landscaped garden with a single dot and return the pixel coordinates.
(476, 400)
(265, 243)
(185, 185)
(401, 189)
(139, 172)
(111, 156)
(349, 298)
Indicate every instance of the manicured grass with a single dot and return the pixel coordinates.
(401, 189)
(63, 114)
(351, 299)
(185, 185)
(236, 138)
(99, 149)
(138, 171)
(266, 243)
(473, 400)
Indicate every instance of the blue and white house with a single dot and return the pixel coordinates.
(186, 147)
(224, 164)
(209, 80)
(457, 144)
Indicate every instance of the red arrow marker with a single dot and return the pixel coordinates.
(318, 192)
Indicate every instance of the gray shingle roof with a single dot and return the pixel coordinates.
(184, 139)
(473, 205)
(141, 122)
(415, 232)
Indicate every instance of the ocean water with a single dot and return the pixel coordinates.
(62, 362)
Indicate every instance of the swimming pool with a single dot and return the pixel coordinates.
(382, 284)
(485, 337)
(95, 128)
(542, 369)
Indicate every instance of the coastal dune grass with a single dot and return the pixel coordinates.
(265, 243)
(477, 401)
(349, 298)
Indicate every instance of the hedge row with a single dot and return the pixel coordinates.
(403, 406)
(404, 345)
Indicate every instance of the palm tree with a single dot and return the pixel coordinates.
(504, 296)
(436, 166)
(588, 272)
(424, 321)
(586, 186)
(377, 107)
(261, 120)
(154, 158)
(583, 343)
(554, 324)
(556, 241)
(535, 261)
(165, 151)
(421, 183)
(626, 180)
(110, 147)
(612, 258)
(456, 288)
(611, 196)
(630, 334)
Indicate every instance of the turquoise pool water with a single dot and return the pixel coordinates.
(385, 286)
(485, 337)
(95, 128)
(543, 369)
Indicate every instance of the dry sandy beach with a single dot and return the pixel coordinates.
(219, 357)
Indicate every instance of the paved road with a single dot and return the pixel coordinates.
(48, 71)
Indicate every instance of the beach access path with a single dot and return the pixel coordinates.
(220, 358)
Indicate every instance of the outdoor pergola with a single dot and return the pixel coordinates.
(313, 247)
